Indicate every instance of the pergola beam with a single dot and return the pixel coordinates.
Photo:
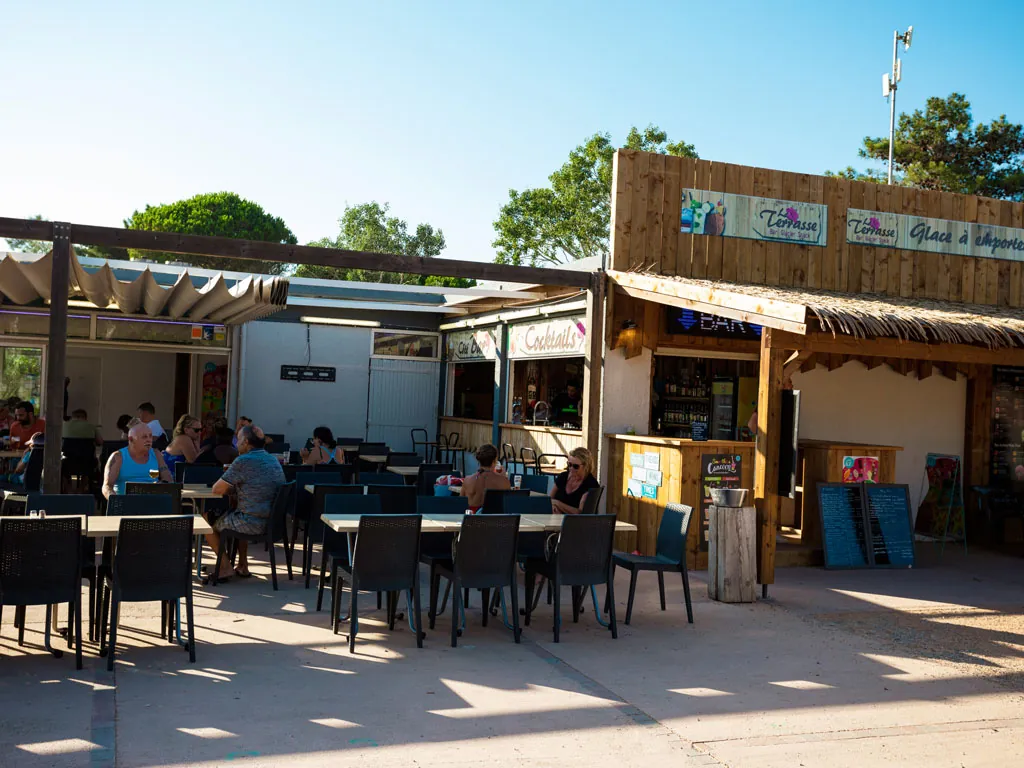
(827, 344)
(235, 248)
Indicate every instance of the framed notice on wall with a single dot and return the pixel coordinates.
(716, 471)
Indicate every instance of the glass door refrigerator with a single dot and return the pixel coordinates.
(724, 398)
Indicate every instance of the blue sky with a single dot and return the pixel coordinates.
(440, 108)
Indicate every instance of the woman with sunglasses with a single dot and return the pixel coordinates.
(184, 445)
(571, 487)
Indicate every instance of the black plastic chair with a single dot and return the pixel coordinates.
(581, 557)
(420, 437)
(549, 461)
(345, 473)
(404, 460)
(494, 500)
(385, 559)
(40, 564)
(436, 548)
(528, 458)
(508, 458)
(380, 478)
(198, 474)
(304, 499)
(592, 501)
(110, 447)
(428, 476)
(157, 489)
(670, 556)
(535, 483)
(335, 549)
(278, 447)
(372, 449)
(73, 504)
(276, 530)
(140, 505)
(78, 459)
(152, 562)
(394, 499)
(315, 531)
(521, 503)
(274, 437)
(292, 471)
(484, 558)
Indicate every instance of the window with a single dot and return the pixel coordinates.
(22, 374)
(405, 344)
(160, 331)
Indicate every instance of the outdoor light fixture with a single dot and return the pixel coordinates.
(889, 81)
(314, 320)
(627, 336)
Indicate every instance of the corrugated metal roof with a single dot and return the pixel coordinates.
(248, 299)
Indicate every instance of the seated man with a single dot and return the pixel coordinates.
(254, 477)
(16, 480)
(134, 463)
(79, 428)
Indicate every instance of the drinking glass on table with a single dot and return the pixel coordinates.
(154, 474)
(517, 481)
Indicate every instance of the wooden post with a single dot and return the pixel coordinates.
(56, 351)
(500, 385)
(978, 426)
(593, 368)
(766, 458)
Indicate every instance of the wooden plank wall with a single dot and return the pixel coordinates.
(647, 193)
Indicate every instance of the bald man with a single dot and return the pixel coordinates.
(133, 464)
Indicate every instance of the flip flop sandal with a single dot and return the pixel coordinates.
(241, 575)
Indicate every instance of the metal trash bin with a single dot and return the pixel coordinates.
(732, 547)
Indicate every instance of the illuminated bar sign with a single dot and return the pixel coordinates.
(692, 323)
(561, 337)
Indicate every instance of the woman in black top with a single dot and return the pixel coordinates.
(571, 487)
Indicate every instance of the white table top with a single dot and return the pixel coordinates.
(201, 491)
(373, 458)
(405, 471)
(452, 523)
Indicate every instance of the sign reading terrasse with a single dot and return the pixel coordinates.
(561, 337)
(919, 233)
(466, 346)
(754, 218)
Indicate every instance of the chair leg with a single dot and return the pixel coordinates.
(190, 619)
(104, 607)
(295, 530)
(465, 599)
(575, 605)
(456, 600)
(163, 619)
(78, 632)
(379, 601)
(528, 583)
(420, 634)
(115, 611)
(19, 619)
(307, 556)
(686, 594)
(218, 556)
(93, 586)
(632, 592)
(392, 610)
(661, 588)
(514, 590)
(321, 581)
(435, 587)
(557, 589)
(289, 550)
(612, 625)
(353, 619)
(485, 601)
(273, 563)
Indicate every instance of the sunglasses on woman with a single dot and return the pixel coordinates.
(574, 466)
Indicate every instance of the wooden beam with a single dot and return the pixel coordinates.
(593, 368)
(796, 363)
(924, 370)
(652, 323)
(810, 363)
(716, 298)
(766, 456)
(56, 352)
(826, 343)
(236, 248)
(713, 309)
(978, 426)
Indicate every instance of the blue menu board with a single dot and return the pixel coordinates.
(844, 532)
(891, 530)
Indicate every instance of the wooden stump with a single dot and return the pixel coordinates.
(732, 554)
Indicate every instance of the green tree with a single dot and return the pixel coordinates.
(570, 219)
(942, 148)
(220, 214)
(368, 227)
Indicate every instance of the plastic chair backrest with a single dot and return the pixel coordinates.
(40, 560)
(380, 478)
(536, 483)
(585, 549)
(494, 500)
(394, 499)
(528, 458)
(558, 461)
(387, 552)
(373, 449)
(78, 449)
(61, 503)
(110, 447)
(153, 558)
(428, 476)
(348, 504)
(485, 553)
(284, 502)
(157, 489)
(525, 504)
(675, 524)
(345, 473)
(193, 474)
(592, 501)
(274, 437)
(140, 505)
(34, 470)
(278, 447)
(441, 505)
(404, 460)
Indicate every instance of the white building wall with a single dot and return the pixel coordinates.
(296, 408)
(627, 397)
(880, 406)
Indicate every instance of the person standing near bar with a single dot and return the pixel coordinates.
(567, 405)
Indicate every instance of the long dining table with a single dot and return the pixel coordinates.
(452, 523)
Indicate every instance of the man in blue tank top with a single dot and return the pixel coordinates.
(133, 464)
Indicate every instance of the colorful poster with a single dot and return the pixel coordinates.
(215, 387)
(860, 469)
(920, 233)
(650, 491)
(941, 512)
(705, 212)
(717, 471)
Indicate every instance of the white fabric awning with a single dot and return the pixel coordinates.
(248, 299)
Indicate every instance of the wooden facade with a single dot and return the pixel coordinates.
(647, 200)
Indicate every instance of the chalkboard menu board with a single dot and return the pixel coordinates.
(716, 471)
(1007, 423)
(866, 525)
(699, 431)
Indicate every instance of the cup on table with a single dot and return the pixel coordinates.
(154, 474)
(517, 481)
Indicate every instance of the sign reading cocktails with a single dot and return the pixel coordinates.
(754, 218)
(918, 233)
(562, 337)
